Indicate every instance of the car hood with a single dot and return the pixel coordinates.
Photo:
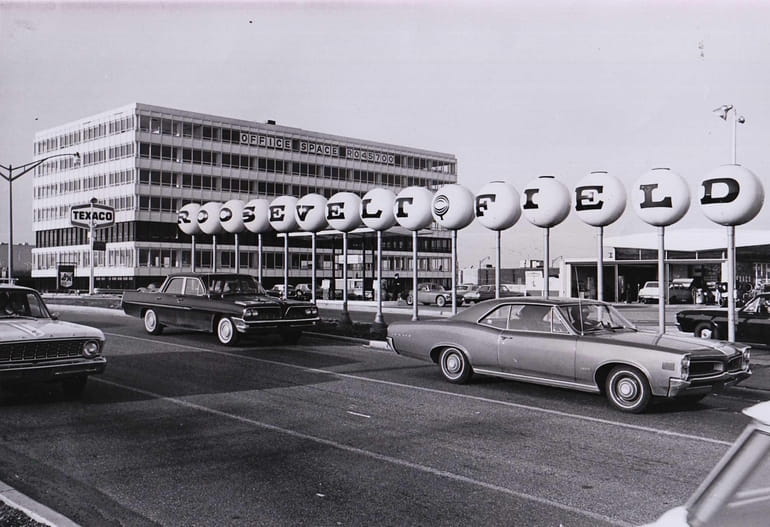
(262, 300)
(20, 329)
(679, 345)
(711, 312)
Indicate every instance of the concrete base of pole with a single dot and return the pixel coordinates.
(379, 328)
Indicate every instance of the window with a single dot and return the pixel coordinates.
(497, 318)
(175, 286)
(194, 287)
(530, 318)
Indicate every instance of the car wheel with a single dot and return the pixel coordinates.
(440, 301)
(74, 387)
(455, 366)
(628, 389)
(705, 331)
(226, 332)
(151, 323)
(409, 300)
(291, 338)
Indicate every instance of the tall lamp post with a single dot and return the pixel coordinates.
(10, 177)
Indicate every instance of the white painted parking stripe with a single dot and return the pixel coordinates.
(657, 431)
(360, 415)
(367, 453)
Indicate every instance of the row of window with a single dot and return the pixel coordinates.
(111, 179)
(60, 212)
(89, 133)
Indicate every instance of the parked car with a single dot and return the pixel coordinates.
(278, 291)
(462, 289)
(570, 343)
(735, 492)
(752, 321)
(487, 292)
(228, 305)
(649, 293)
(680, 291)
(35, 346)
(302, 292)
(432, 293)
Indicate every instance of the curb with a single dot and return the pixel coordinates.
(33, 509)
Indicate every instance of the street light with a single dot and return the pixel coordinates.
(10, 177)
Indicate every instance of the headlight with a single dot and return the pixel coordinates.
(685, 367)
(91, 348)
(311, 310)
(250, 312)
(746, 359)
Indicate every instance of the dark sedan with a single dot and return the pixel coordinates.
(752, 322)
(571, 343)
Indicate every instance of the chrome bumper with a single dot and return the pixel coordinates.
(677, 387)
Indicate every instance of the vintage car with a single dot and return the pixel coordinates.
(752, 321)
(432, 293)
(487, 292)
(649, 293)
(736, 491)
(571, 343)
(35, 346)
(227, 305)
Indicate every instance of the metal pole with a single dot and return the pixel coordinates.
(662, 282)
(286, 265)
(259, 258)
(313, 267)
(600, 267)
(213, 253)
(547, 262)
(454, 272)
(415, 311)
(192, 254)
(10, 224)
(731, 283)
(378, 317)
(498, 264)
(91, 245)
(237, 254)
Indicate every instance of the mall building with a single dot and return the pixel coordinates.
(148, 161)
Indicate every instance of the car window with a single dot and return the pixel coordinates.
(497, 318)
(20, 304)
(194, 287)
(175, 286)
(557, 323)
(530, 318)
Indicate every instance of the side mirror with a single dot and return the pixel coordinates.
(55, 316)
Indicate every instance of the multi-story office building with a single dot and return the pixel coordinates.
(147, 161)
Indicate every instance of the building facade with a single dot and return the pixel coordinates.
(148, 161)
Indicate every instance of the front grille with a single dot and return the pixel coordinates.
(705, 368)
(735, 364)
(295, 313)
(40, 350)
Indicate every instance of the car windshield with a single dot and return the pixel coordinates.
(589, 318)
(651, 284)
(19, 303)
(236, 285)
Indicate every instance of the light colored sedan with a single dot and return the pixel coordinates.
(571, 343)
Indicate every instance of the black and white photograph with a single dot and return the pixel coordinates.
(384, 262)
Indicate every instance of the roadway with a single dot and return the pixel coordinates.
(182, 431)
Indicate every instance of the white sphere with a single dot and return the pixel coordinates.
(412, 208)
(497, 205)
(599, 199)
(545, 202)
(377, 209)
(231, 216)
(208, 218)
(452, 207)
(660, 197)
(281, 214)
(732, 195)
(310, 212)
(342, 211)
(255, 216)
(187, 219)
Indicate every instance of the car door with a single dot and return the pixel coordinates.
(537, 343)
(165, 302)
(753, 322)
(192, 305)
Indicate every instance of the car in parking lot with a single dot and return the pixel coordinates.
(650, 292)
(571, 343)
(752, 321)
(37, 347)
(432, 293)
(487, 292)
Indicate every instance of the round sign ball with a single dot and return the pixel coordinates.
(412, 208)
(281, 214)
(452, 207)
(208, 218)
(342, 211)
(599, 199)
(187, 219)
(545, 202)
(310, 212)
(660, 197)
(255, 216)
(497, 205)
(377, 209)
(231, 216)
(731, 195)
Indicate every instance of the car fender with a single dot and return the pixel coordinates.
(602, 371)
(436, 349)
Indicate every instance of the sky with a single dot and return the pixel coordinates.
(514, 89)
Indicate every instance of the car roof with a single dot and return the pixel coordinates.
(474, 312)
(9, 287)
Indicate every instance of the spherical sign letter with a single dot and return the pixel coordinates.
(255, 216)
(311, 213)
(452, 207)
(732, 195)
(660, 197)
(377, 209)
(412, 208)
(545, 202)
(231, 216)
(497, 205)
(281, 214)
(208, 218)
(342, 211)
(187, 219)
(599, 199)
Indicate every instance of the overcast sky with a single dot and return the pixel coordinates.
(513, 89)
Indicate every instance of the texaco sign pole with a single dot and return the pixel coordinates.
(92, 216)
